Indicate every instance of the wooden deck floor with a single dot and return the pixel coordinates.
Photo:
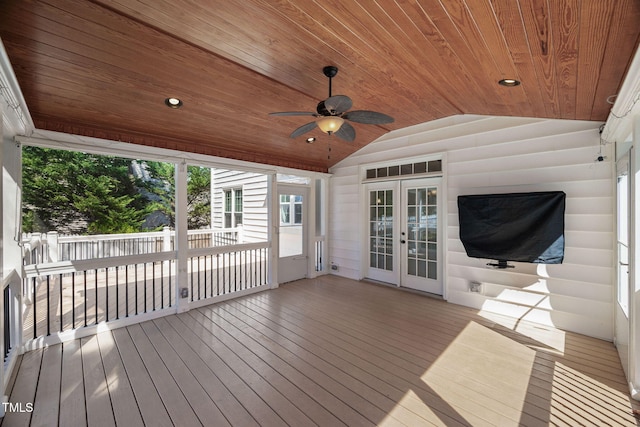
(327, 352)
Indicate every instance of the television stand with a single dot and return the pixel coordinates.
(500, 264)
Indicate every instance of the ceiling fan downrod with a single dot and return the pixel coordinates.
(330, 71)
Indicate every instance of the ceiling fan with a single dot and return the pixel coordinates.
(332, 113)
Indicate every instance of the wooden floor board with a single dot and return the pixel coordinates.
(72, 395)
(327, 351)
(47, 401)
(125, 408)
(24, 389)
(98, 401)
(149, 402)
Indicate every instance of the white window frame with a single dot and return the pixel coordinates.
(233, 192)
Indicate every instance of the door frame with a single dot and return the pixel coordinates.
(396, 184)
(288, 189)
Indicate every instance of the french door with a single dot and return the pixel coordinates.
(405, 234)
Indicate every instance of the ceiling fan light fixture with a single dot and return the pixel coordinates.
(173, 102)
(509, 82)
(330, 124)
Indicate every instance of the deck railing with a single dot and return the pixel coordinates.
(66, 296)
(12, 322)
(42, 248)
(214, 272)
(319, 253)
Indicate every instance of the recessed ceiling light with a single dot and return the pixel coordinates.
(173, 102)
(509, 82)
(311, 139)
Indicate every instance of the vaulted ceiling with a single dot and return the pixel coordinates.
(103, 68)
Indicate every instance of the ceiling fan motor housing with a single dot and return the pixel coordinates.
(322, 109)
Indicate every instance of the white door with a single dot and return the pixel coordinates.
(404, 237)
(292, 233)
(421, 236)
(622, 306)
(383, 236)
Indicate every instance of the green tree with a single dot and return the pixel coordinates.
(198, 197)
(160, 189)
(79, 193)
(75, 192)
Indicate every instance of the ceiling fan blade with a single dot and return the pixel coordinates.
(293, 113)
(367, 117)
(338, 104)
(303, 129)
(346, 132)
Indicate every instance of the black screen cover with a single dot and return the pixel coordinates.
(524, 227)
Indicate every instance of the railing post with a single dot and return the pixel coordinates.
(166, 239)
(52, 246)
(240, 234)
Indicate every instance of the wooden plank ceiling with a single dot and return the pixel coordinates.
(103, 68)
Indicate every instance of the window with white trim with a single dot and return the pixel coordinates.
(232, 207)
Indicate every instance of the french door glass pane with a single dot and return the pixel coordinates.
(381, 229)
(422, 220)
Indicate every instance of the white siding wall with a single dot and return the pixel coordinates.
(499, 155)
(254, 195)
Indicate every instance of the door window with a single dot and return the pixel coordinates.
(422, 232)
(290, 209)
(291, 231)
(381, 229)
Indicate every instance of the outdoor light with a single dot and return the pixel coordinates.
(509, 82)
(330, 124)
(173, 102)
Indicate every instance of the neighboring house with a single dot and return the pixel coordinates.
(240, 200)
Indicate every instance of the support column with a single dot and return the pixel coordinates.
(634, 265)
(273, 217)
(181, 239)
